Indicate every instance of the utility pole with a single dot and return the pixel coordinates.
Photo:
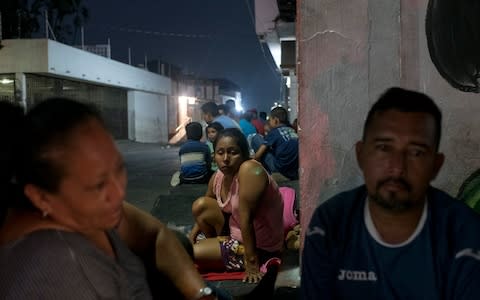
(82, 37)
(19, 24)
(1, 30)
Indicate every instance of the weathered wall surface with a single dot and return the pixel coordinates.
(349, 53)
(147, 117)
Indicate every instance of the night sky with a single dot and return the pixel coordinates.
(209, 38)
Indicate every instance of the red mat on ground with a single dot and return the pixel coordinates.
(218, 276)
(212, 276)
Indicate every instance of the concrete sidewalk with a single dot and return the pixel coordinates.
(150, 167)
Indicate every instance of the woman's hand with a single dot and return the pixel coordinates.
(252, 272)
(192, 236)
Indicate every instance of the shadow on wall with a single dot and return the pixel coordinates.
(469, 192)
(453, 36)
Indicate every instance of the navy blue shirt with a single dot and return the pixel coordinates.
(283, 142)
(195, 160)
(344, 258)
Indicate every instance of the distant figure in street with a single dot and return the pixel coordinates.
(396, 236)
(263, 117)
(246, 125)
(259, 125)
(222, 110)
(278, 151)
(232, 109)
(212, 131)
(195, 156)
(210, 114)
(243, 204)
(295, 125)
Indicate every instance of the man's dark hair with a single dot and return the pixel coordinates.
(406, 101)
(211, 108)
(194, 131)
(280, 113)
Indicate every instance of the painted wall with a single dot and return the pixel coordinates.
(349, 53)
(147, 117)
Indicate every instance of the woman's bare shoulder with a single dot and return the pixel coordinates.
(252, 170)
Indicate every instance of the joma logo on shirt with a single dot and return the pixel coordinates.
(357, 275)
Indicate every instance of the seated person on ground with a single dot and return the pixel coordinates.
(246, 124)
(396, 236)
(244, 205)
(211, 114)
(195, 157)
(212, 131)
(278, 151)
(259, 125)
(68, 233)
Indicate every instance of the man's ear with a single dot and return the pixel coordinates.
(358, 153)
(39, 197)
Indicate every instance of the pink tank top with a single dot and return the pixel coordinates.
(268, 222)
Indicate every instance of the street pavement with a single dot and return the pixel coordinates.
(149, 170)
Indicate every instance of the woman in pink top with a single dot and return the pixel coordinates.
(243, 199)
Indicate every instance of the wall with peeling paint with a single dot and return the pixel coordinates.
(349, 53)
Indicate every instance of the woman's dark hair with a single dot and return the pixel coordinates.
(238, 137)
(47, 126)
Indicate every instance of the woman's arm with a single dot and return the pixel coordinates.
(153, 242)
(211, 194)
(252, 182)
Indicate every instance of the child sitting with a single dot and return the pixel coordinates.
(212, 131)
(195, 157)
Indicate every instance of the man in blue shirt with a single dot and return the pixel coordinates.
(278, 152)
(395, 237)
(211, 114)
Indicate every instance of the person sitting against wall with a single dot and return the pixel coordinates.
(68, 233)
(242, 203)
(395, 236)
(278, 151)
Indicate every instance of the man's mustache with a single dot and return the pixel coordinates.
(399, 181)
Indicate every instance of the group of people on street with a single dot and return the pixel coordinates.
(67, 233)
(275, 148)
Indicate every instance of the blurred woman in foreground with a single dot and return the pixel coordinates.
(68, 233)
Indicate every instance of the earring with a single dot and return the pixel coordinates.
(45, 214)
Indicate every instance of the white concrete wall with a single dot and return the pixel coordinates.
(148, 92)
(147, 117)
(50, 57)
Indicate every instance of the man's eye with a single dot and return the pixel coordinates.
(416, 153)
(381, 147)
